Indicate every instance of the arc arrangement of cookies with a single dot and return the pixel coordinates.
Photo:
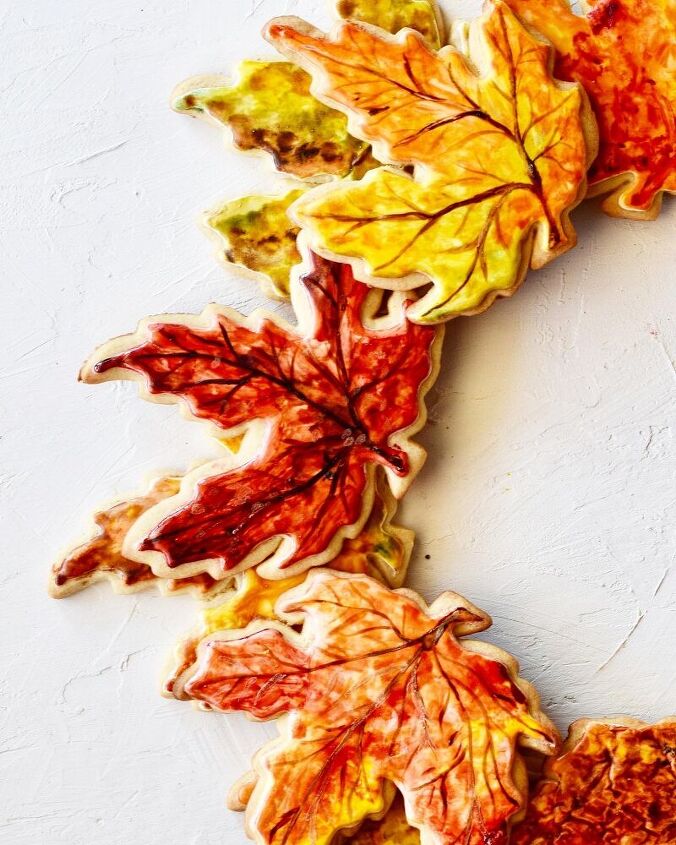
(431, 167)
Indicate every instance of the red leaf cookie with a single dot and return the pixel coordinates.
(321, 405)
(624, 54)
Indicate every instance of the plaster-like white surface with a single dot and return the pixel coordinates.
(549, 499)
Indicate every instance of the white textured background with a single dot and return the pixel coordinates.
(549, 499)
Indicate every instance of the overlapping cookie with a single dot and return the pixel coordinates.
(614, 782)
(452, 170)
(381, 550)
(320, 407)
(377, 690)
(269, 109)
(499, 148)
(623, 53)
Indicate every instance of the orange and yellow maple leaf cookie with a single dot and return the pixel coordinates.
(377, 689)
(499, 151)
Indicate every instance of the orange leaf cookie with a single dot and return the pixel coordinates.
(101, 557)
(499, 148)
(614, 784)
(624, 53)
(377, 690)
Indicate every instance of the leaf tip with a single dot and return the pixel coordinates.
(278, 29)
(185, 103)
(105, 365)
(188, 97)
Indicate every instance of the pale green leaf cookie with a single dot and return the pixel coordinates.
(393, 15)
(270, 108)
(257, 234)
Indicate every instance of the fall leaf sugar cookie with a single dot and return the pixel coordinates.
(377, 689)
(101, 556)
(614, 783)
(257, 234)
(394, 15)
(422, 182)
(321, 407)
(499, 149)
(269, 109)
(624, 54)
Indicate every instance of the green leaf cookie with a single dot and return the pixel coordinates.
(257, 234)
(394, 15)
(270, 108)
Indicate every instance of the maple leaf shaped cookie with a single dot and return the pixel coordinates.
(320, 406)
(500, 150)
(378, 691)
(615, 782)
(624, 54)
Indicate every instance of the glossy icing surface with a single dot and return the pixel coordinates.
(102, 556)
(270, 108)
(624, 53)
(498, 148)
(392, 829)
(381, 550)
(379, 689)
(393, 15)
(372, 552)
(332, 402)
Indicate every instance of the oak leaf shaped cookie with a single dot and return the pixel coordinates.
(394, 15)
(624, 54)
(500, 151)
(321, 406)
(257, 234)
(378, 691)
(269, 108)
(614, 783)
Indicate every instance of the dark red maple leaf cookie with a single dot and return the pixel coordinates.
(321, 405)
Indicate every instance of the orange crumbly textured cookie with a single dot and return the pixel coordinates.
(615, 784)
